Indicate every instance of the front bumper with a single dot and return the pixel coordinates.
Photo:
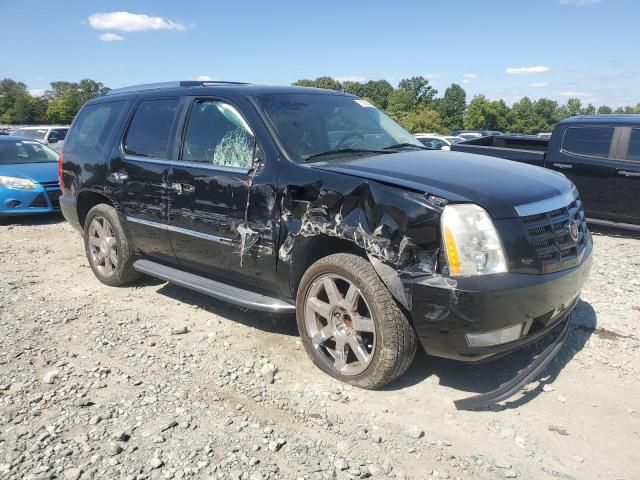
(444, 310)
(42, 199)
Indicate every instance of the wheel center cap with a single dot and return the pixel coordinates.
(104, 247)
(342, 322)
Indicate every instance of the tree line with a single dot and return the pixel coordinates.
(59, 104)
(414, 103)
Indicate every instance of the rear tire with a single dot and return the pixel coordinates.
(107, 247)
(350, 325)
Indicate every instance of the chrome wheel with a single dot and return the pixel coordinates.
(103, 248)
(340, 325)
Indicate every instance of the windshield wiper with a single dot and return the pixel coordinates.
(344, 150)
(405, 145)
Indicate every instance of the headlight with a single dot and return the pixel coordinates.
(12, 182)
(471, 241)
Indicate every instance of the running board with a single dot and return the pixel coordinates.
(219, 290)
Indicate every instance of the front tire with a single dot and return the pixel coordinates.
(107, 247)
(350, 325)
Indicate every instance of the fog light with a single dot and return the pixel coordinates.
(496, 337)
(14, 203)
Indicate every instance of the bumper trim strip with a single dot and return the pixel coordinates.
(522, 378)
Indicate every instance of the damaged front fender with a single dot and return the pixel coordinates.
(397, 229)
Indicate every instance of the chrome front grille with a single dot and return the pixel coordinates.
(549, 234)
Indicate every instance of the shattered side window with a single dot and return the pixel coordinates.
(217, 134)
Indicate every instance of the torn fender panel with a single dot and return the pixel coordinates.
(397, 229)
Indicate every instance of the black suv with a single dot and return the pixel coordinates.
(290, 199)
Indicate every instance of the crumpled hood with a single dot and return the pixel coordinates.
(495, 184)
(37, 172)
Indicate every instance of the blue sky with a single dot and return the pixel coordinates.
(502, 48)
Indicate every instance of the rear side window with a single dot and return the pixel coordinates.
(91, 128)
(589, 141)
(150, 129)
(634, 145)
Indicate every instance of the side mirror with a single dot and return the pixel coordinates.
(446, 148)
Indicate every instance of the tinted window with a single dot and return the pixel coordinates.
(58, 133)
(634, 145)
(217, 134)
(591, 141)
(91, 128)
(150, 128)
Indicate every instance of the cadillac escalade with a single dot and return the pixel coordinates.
(289, 199)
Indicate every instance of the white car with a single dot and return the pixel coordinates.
(469, 135)
(434, 142)
(454, 138)
(51, 135)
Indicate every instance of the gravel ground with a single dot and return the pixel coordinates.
(154, 381)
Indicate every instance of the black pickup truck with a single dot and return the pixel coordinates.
(600, 154)
(290, 199)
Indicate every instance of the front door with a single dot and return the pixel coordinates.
(586, 158)
(625, 184)
(221, 224)
(139, 175)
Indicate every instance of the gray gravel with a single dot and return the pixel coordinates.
(156, 382)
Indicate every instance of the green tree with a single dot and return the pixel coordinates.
(320, 82)
(354, 88)
(400, 103)
(604, 110)
(14, 102)
(422, 119)
(419, 86)
(588, 110)
(377, 92)
(66, 98)
(452, 106)
(484, 114)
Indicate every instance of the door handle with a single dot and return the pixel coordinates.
(562, 165)
(628, 174)
(118, 177)
(182, 188)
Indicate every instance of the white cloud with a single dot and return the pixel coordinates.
(579, 3)
(351, 78)
(469, 78)
(575, 94)
(110, 37)
(538, 84)
(206, 78)
(131, 22)
(37, 92)
(527, 70)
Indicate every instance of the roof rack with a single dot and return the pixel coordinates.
(162, 85)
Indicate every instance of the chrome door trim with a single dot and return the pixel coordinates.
(184, 231)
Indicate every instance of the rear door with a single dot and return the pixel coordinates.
(140, 171)
(586, 155)
(221, 209)
(625, 183)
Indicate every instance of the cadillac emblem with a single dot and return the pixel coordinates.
(573, 230)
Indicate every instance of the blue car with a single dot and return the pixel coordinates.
(28, 177)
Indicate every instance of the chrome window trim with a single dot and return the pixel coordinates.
(210, 166)
(548, 204)
(136, 158)
(185, 231)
